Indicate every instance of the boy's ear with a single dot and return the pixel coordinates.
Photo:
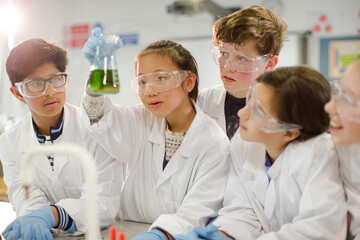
(271, 63)
(189, 82)
(16, 93)
(291, 135)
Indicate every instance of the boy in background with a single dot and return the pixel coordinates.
(246, 44)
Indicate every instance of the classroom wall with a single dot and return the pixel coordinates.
(151, 22)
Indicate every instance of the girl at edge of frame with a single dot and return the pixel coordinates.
(343, 110)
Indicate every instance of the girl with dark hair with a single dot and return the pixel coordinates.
(285, 181)
(176, 156)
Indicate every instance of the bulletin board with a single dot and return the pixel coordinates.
(336, 54)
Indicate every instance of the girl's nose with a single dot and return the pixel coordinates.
(244, 113)
(330, 107)
(150, 91)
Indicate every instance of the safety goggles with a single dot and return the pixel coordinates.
(36, 87)
(263, 119)
(158, 81)
(347, 105)
(239, 62)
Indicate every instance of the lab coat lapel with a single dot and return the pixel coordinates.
(217, 111)
(254, 163)
(187, 148)
(68, 136)
(157, 139)
(270, 201)
(249, 165)
(39, 162)
(60, 160)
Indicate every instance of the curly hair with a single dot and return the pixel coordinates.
(253, 23)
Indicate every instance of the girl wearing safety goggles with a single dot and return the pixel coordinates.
(175, 153)
(344, 112)
(285, 181)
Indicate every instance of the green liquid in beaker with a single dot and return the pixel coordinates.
(98, 85)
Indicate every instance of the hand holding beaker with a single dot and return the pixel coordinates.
(100, 51)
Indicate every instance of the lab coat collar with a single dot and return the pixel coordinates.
(157, 134)
(157, 138)
(254, 163)
(41, 162)
(275, 168)
(188, 146)
(218, 105)
(186, 149)
(55, 132)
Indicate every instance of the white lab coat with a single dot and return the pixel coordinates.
(304, 200)
(189, 191)
(349, 156)
(212, 101)
(64, 185)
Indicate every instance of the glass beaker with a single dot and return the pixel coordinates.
(104, 77)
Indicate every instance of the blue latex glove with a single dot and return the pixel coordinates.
(106, 46)
(211, 232)
(196, 234)
(35, 225)
(154, 234)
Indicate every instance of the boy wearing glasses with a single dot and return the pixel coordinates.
(36, 69)
(246, 44)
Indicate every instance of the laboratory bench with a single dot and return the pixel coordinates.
(130, 229)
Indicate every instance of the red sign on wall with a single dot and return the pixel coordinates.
(79, 35)
(76, 35)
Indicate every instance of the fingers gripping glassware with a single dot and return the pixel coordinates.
(347, 105)
(104, 77)
(36, 87)
(239, 62)
(158, 81)
(263, 119)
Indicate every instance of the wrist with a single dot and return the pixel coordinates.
(56, 215)
(166, 234)
(226, 235)
(65, 222)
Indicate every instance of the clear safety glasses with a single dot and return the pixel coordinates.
(158, 81)
(347, 105)
(239, 62)
(263, 119)
(37, 86)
